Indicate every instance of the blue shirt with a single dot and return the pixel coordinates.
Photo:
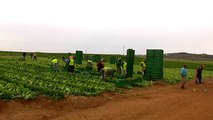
(183, 72)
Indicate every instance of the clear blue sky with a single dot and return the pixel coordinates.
(105, 26)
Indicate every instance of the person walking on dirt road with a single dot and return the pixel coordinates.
(183, 72)
(199, 75)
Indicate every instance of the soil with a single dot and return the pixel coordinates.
(158, 102)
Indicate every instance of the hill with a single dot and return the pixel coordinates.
(189, 56)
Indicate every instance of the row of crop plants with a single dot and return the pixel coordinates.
(27, 79)
(172, 75)
(38, 79)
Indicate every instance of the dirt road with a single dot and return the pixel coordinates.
(159, 102)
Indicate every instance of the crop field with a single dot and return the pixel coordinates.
(26, 79)
(169, 63)
(31, 90)
(172, 75)
(36, 78)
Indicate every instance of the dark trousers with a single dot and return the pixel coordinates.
(199, 80)
(55, 67)
(71, 68)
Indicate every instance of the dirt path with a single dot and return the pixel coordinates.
(156, 102)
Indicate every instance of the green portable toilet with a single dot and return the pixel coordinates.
(154, 64)
(130, 62)
(79, 57)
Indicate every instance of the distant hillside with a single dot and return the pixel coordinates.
(180, 55)
(189, 56)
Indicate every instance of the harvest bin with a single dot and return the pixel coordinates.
(154, 64)
(79, 57)
(130, 62)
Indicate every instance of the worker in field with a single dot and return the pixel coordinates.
(119, 65)
(124, 68)
(66, 60)
(24, 55)
(89, 64)
(31, 56)
(107, 72)
(34, 56)
(184, 73)
(71, 64)
(100, 65)
(143, 67)
(199, 79)
(55, 64)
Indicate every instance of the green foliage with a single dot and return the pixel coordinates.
(190, 64)
(26, 79)
(37, 77)
(172, 75)
(129, 83)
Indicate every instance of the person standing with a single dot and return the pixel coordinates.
(124, 68)
(119, 65)
(55, 65)
(31, 56)
(24, 55)
(72, 64)
(100, 65)
(183, 72)
(66, 60)
(199, 75)
(143, 67)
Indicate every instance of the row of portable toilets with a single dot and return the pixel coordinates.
(154, 62)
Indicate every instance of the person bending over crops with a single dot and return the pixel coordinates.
(183, 72)
(34, 56)
(107, 72)
(89, 65)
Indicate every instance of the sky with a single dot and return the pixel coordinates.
(106, 26)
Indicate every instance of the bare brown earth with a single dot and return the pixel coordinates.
(159, 102)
